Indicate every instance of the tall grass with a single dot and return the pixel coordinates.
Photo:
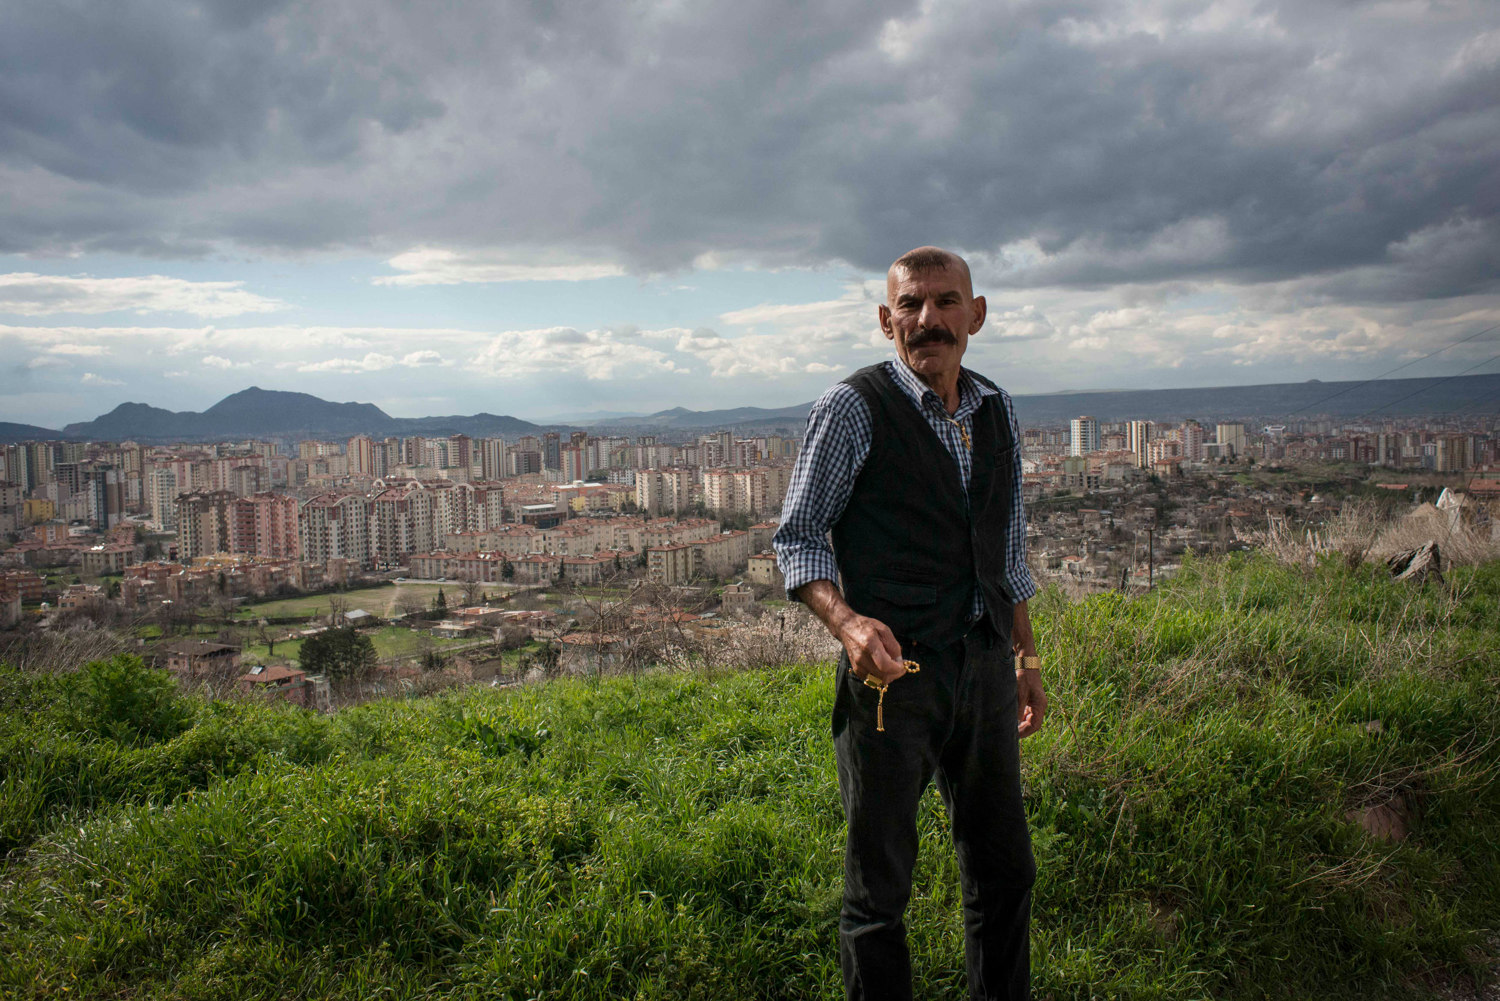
(1193, 797)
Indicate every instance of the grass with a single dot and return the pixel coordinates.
(679, 836)
(391, 643)
(384, 601)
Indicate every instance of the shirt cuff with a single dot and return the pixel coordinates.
(1020, 585)
(808, 567)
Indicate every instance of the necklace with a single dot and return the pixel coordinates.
(962, 433)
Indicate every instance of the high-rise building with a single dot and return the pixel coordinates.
(1138, 440)
(361, 452)
(521, 462)
(1231, 437)
(1085, 436)
(1191, 436)
(491, 458)
(461, 451)
(335, 526)
(265, 524)
(161, 495)
(203, 523)
(571, 461)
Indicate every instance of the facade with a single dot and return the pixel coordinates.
(1138, 441)
(1084, 436)
(670, 564)
(203, 523)
(1232, 437)
(107, 559)
(266, 524)
(762, 569)
(335, 526)
(277, 681)
(1190, 434)
(12, 507)
(192, 659)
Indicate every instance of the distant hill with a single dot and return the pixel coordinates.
(680, 417)
(1269, 403)
(1272, 403)
(24, 432)
(257, 412)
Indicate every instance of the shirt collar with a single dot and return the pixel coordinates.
(970, 390)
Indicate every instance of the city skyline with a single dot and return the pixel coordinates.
(552, 212)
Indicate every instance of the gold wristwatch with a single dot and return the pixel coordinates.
(1024, 663)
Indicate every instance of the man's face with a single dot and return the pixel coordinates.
(931, 314)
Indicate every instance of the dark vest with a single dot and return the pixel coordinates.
(910, 546)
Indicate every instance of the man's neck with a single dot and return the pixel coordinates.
(945, 385)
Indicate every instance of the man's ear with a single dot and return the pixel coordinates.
(981, 310)
(884, 313)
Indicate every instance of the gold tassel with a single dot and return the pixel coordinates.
(912, 667)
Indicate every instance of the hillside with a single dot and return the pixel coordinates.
(1196, 798)
(268, 413)
(264, 412)
(24, 432)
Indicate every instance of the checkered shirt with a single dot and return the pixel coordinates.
(839, 434)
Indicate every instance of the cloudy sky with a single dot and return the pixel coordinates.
(548, 208)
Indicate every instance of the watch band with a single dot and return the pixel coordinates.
(1024, 663)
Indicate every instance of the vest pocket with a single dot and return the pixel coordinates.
(902, 593)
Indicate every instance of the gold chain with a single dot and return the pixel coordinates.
(912, 667)
(962, 433)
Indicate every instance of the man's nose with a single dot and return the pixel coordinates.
(929, 316)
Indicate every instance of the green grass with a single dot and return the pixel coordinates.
(384, 601)
(391, 643)
(680, 836)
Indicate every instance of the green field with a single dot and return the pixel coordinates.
(386, 601)
(1193, 797)
(391, 643)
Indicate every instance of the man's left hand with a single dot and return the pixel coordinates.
(1031, 702)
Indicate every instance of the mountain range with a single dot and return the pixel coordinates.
(264, 413)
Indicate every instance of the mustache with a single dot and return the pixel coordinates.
(931, 335)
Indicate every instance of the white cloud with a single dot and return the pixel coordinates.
(594, 354)
(422, 359)
(432, 266)
(90, 379)
(29, 294)
(219, 361)
(371, 362)
(775, 339)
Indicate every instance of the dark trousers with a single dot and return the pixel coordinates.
(955, 721)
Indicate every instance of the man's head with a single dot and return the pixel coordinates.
(931, 311)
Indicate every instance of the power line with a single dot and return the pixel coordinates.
(1424, 389)
(1358, 385)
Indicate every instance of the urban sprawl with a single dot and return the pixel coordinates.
(1110, 505)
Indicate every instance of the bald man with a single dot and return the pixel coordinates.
(912, 468)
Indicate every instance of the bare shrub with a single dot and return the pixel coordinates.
(1362, 533)
(54, 650)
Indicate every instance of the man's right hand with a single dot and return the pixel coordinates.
(872, 648)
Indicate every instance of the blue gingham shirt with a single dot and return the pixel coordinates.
(838, 439)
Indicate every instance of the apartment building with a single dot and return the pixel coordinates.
(336, 526)
(203, 523)
(400, 522)
(266, 524)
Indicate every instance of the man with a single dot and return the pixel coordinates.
(914, 469)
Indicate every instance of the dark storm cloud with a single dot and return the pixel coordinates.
(1079, 143)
